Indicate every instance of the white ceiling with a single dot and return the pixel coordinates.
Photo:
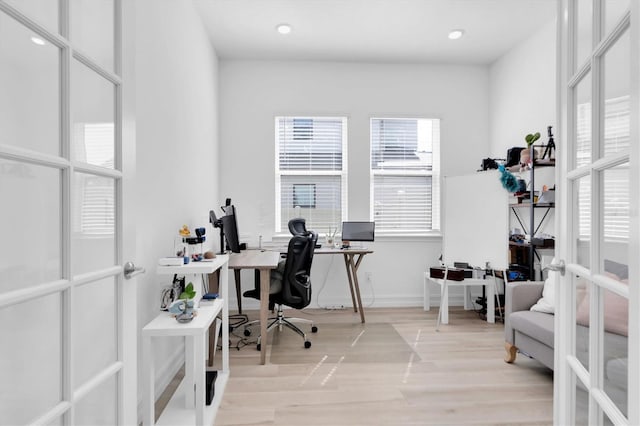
(393, 31)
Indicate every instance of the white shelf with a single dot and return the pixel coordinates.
(201, 267)
(165, 324)
(189, 408)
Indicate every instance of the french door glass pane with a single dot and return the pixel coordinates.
(616, 354)
(616, 126)
(31, 361)
(584, 30)
(583, 122)
(92, 29)
(30, 88)
(45, 12)
(615, 213)
(99, 408)
(613, 11)
(93, 223)
(582, 291)
(92, 103)
(94, 308)
(582, 404)
(31, 235)
(582, 220)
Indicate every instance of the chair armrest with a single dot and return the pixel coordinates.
(519, 296)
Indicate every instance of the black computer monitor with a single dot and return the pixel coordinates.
(230, 227)
(358, 231)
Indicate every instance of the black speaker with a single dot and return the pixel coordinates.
(210, 385)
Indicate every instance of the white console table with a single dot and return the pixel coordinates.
(490, 283)
(187, 406)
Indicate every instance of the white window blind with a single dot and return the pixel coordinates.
(615, 183)
(405, 175)
(311, 171)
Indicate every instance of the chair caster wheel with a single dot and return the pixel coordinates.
(258, 346)
(247, 332)
(314, 329)
(307, 344)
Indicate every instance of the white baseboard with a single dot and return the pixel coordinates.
(396, 301)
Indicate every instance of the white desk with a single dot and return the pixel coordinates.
(188, 407)
(264, 261)
(443, 315)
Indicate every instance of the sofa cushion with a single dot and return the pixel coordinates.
(535, 324)
(547, 303)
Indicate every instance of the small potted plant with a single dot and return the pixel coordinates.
(529, 154)
(184, 307)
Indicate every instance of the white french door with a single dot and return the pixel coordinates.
(597, 336)
(67, 314)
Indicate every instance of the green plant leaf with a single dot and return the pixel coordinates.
(188, 293)
(531, 138)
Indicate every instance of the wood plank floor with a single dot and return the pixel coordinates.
(393, 370)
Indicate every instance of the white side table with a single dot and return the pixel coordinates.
(187, 406)
(490, 285)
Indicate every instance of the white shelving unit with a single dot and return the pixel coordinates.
(189, 407)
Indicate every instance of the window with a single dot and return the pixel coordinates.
(311, 171)
(304, 195)
(405, 177)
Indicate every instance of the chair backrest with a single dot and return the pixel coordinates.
(296, 280)
(297, 226)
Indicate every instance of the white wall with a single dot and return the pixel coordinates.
(177, 146)
(522, 86)
(254, 92)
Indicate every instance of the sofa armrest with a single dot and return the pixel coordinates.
(519, 296)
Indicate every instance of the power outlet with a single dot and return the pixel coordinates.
(334, 307)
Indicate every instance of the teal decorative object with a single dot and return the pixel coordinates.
(509, 181)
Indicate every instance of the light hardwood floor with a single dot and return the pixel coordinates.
(393, 370)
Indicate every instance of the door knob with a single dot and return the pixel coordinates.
(556, 267)
(130, 270)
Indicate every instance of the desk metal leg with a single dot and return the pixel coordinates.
(354, 273)
(264, 308)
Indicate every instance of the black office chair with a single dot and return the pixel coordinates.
(290, 286)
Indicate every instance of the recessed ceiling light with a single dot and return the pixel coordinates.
(284, 28)
(38, 41)
(456, 34)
